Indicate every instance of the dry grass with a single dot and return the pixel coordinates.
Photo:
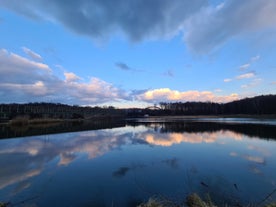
(24, 120)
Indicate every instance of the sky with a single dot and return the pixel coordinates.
(136, 53)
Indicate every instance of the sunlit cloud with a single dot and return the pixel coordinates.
(71, 77)
(14, 62)
(36, 89)
(38, 153)
(218, 90)
(166, 94)
(25, 80)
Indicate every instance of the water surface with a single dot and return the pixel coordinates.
(123, 166)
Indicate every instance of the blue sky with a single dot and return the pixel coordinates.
(136, 52)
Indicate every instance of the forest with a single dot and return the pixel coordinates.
(259, 105)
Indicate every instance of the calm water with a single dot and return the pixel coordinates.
(123, 166)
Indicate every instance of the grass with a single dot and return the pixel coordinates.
(193, 200)
(23, 121)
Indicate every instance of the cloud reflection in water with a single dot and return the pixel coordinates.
(29, 156)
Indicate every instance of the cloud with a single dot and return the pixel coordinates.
(205, 26)
(213, 26)
(256, 159)
(226, 80)
(123, 66)
(252, 60)
(166, 94)
(32, 54)
(137, 19)
(246, 76)
(245, 66)
(25, 80)
(12, 62)
(71, 77)
(36, 89)
(252, 84)
(29, 157)
(94, 92)
(256, 58)
(218, 90)
(170, 139)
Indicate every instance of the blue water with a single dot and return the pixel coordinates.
(125, 166)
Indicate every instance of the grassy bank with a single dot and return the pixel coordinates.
(22, 121)
(193, 200)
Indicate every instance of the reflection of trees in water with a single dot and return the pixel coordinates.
(251, 130)
(7, 131)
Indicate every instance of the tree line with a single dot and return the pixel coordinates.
(54, 111)
(258, 105)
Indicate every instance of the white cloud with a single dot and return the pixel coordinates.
(246, 75)
(32, 54)
(252, 60)
(226, 80)
(166, 94)
(256, 58)
(24, 80)
(71, 77)
(36, 89)
(252, 84)
(94, 92)
(11, 61)
(245, 66)
(218, 90)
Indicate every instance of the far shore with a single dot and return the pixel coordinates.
(263, 116)
(37, 121)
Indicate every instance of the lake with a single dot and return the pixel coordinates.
(231, 160)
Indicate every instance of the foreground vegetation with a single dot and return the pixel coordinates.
(193, 200)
